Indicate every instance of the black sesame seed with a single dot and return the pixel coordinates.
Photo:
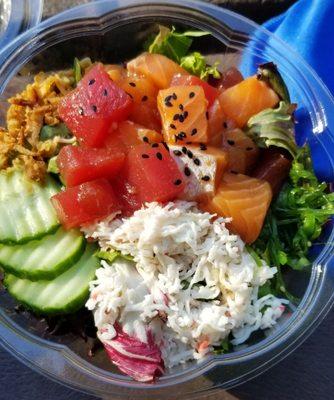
(184, 150)
(132, 84)
(94, 108)
(81, 111)
(205, 178)
(249, 148)
(174, 96)
(129, 94)
(145, 139)
(176, 117)
(181, 118)
(168, 98)
(190, 154)
(145, 156)
(182, 135)
(207, 115)
(193, 132)
(185, 114)
(181, 107)
(202, 146)
(225, 125)
(231, 142)
(168, 104)
(187, 171)
(197, 161)
(165, 146)
(155, 145)
(191, 95)
(105, 92)
(172, 126)
(159, 155)
(177, 152)
(91, 82)
(177, 182)
(144, 98)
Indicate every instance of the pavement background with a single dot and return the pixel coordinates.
(307, 374)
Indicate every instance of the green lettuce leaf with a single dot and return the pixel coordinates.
(176, 45)
(172, 44)
(274, 127)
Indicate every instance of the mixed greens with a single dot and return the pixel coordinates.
(274, 127)
(176, 46)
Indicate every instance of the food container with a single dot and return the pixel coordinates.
(112, 31)
(18, 16)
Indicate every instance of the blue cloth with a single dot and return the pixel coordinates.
(308, 27)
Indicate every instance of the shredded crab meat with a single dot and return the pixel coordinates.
(192, 282)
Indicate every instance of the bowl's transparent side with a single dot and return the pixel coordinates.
(117, 36)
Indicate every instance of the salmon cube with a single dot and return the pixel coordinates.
(183, 111)
(247, 98)
(246, 200)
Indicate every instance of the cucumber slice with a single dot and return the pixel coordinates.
(43, 259)
(65, 294)
(26, 212)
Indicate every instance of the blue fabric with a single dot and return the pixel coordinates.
(308, 27)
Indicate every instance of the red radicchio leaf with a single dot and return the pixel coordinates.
(142, 361)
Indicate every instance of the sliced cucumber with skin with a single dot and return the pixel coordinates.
(43, 259)
(26, 212)
(63, 295)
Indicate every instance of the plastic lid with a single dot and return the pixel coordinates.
(16, 16)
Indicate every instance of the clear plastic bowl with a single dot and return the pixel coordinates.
(113, 31)
(16, 16)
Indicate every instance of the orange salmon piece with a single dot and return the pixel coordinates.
(183, 110)
(141, 89)
(158, 68)
(243, 152)
(144, 95)
(216, 124)
(246, 200)
(247, 98)
(115, 71)
(128, 134)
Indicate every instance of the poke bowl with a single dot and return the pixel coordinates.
(113, 32)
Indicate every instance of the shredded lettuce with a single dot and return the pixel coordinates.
(51, 131)
(77, 71)
(110, 256)
(195, 63)
(294, 220)
(176, 45)
(52, 166)
(224, 347)
(274, 127)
